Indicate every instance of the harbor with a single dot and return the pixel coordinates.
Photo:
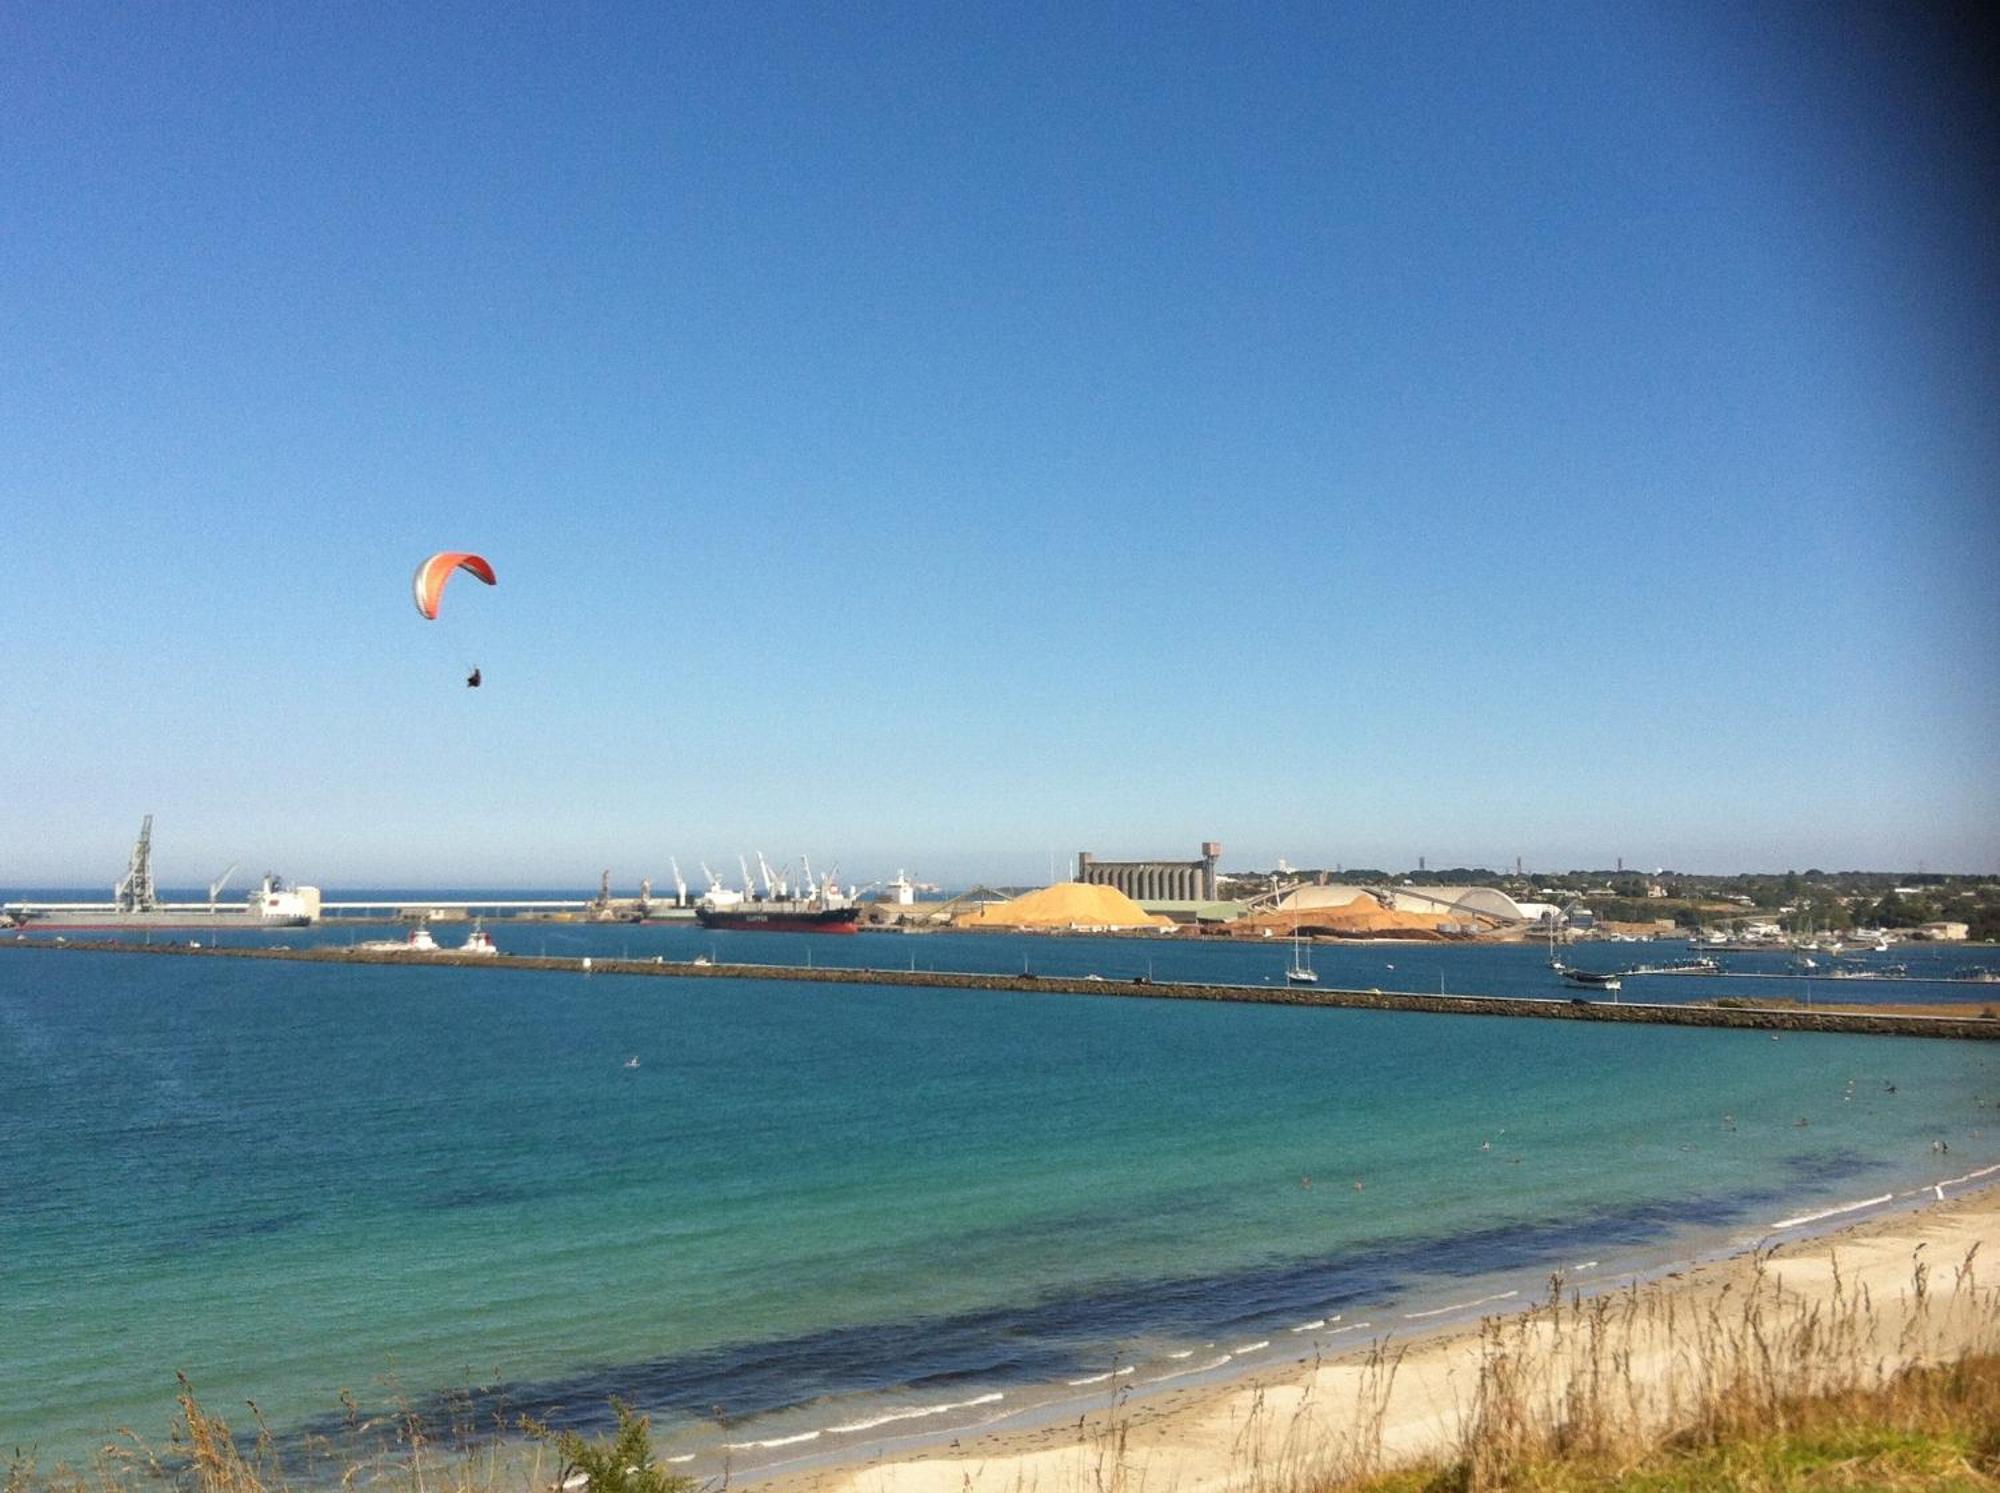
(1743, 1018)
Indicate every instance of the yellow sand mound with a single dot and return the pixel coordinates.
(1068, 904)
(1358, 918)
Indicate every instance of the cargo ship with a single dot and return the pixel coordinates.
(823, 908)
(135, 905)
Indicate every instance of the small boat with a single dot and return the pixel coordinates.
(1589, 979)
(1585, 978)
(478, 942)
(1301, 970)
(632, 1062)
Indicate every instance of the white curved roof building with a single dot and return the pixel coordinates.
(1450, 903)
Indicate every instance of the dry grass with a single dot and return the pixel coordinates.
(1753, 1387)
(205, 1455)
(1760, 1388)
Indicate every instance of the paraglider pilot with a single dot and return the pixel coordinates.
(472, 679)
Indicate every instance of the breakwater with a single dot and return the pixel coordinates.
(1749, 1018)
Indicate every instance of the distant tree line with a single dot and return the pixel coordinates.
(1801, 901)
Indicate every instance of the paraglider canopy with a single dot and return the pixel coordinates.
(428, 584)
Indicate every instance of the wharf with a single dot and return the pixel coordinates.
(1750, 1018)
(1796, 975)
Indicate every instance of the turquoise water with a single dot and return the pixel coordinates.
(823, 1206)
(1516, 969)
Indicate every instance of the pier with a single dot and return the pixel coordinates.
(1743, 1018)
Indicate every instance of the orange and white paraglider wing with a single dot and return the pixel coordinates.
(428, 584)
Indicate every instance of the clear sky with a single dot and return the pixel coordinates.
(943, 436)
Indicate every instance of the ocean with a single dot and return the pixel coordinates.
(793, 1219)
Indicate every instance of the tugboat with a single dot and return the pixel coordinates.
(477, 941)
(417, 941)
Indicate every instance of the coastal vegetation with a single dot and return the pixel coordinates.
(1801, 901)
(1929, 1429)
(1766, 1380)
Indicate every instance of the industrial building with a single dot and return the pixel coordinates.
(1155, 881)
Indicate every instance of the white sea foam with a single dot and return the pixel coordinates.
(1984, 1171)
(912, 1412)
(1351, 1327)
(1313, 1326)
(1184, 1353)
(1792, 1223)
(683, 1457)
(1460, 1306)
(1251, 1347)
(748, 1446)
(1200, 1368)
(1586, 1265)
(1099, 1378)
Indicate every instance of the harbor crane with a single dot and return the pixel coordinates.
(134, 892)
(215, 887)
(680, 887)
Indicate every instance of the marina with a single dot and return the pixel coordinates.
(1772, 1018)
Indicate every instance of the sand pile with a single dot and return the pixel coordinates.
(1362, 917)
(1068, 904)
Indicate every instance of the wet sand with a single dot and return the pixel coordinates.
(1283, 1423)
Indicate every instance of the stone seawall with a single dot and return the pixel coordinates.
(1777, 1019)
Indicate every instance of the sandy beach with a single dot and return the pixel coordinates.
(1855, 1301)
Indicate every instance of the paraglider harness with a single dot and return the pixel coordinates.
(472, 679)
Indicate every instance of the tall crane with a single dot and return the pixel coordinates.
(134, 892)
(680, 887)
(215, 887)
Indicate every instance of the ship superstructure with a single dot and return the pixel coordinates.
(815, 905)
(135, 903)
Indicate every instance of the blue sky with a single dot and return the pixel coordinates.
(947, 436)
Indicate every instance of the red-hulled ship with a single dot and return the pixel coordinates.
(789, 916)
(823, 908)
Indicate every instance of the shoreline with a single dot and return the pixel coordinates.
(1217, 1431)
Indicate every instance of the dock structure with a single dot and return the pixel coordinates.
(1774, 1020)
(1155, 881)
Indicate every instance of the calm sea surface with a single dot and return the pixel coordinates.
(812, 1216)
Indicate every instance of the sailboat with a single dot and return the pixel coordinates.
(1301, 971)
(1583, 978)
